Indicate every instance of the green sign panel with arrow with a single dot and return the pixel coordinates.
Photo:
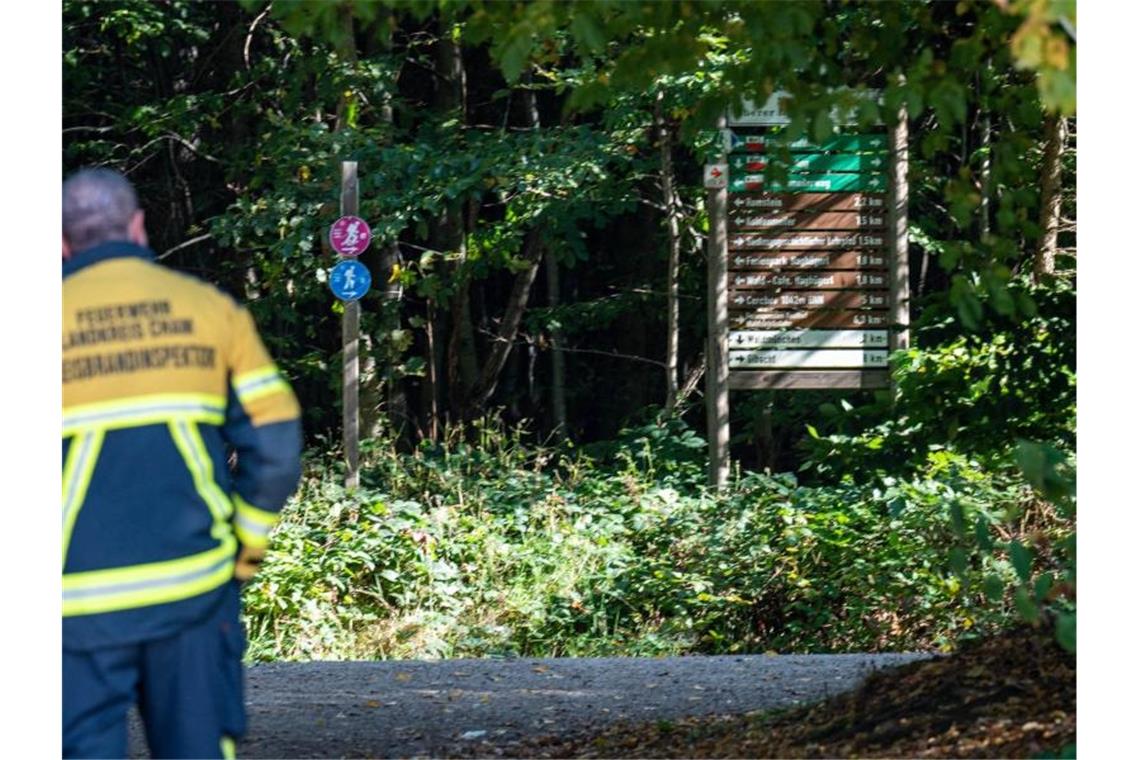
(808, 183)
(815, 162)
(735, 142)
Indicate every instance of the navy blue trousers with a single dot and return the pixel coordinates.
(188, 688)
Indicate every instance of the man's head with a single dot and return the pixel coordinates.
(99, 205)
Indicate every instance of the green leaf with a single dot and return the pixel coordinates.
(1066, 631)
(514, 56)
(1026, 607)
(966, 301)
(1047, 469)
(821, 126)
(994, 588)
(1022, 560)
(1000, 297)
(586, 31)
(958, 561)
(982, 534)
(958, 517)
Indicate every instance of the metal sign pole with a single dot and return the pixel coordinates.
(350, 340)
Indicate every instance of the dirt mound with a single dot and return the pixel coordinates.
(1010, 696)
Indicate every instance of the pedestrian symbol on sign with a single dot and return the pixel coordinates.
(349, 280)
(350, 236)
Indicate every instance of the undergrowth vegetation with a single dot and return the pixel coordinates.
(499, 548)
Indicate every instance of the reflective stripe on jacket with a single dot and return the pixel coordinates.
(161, 373)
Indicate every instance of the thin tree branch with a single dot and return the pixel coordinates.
(615, 355)
(648, 292)
(692, 381)
(100, 130)
(611, 354)
(185, 244)
(183, 141)
(249, 36)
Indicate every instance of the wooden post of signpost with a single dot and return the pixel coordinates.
(350, 340)
(898, 239)
(716, 386)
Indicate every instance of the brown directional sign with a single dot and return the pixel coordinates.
(741, 300)
(789, 319)
(823, 280)
(804, 241)
(808, 277)
(760, 202)
(807, 220)
(796, 260)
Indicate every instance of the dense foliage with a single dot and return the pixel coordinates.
(501, 549)
(513, 164)
(530, 168)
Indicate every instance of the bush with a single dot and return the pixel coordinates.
(976, 393)
(507, 550)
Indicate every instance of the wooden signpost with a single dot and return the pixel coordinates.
(349, 237)
(807, 273)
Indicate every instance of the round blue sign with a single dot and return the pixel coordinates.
(350, 280)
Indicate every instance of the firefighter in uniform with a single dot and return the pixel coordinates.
(163, 377)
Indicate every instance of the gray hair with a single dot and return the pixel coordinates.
(97, 207)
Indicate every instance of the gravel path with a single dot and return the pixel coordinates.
(437, 709)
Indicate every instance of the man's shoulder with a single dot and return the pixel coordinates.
(191, 286)
(136, 272)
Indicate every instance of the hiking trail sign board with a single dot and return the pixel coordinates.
(808, 277)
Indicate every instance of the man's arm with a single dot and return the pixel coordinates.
(263, 426)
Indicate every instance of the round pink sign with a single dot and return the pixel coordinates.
(350, 235)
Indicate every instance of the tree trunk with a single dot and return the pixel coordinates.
(389, 260)
(987, 163)
(509, 327)
(557, 358)
(431, 398)
(672, 340)
(516, 303)
(450, 232)
(553, 296)
(1044, 262)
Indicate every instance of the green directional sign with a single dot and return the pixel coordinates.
(807, 183)
(745, 143)
(816, 162)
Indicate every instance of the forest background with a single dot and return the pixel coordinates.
(533, 477)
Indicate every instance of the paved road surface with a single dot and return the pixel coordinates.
(439, 709)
